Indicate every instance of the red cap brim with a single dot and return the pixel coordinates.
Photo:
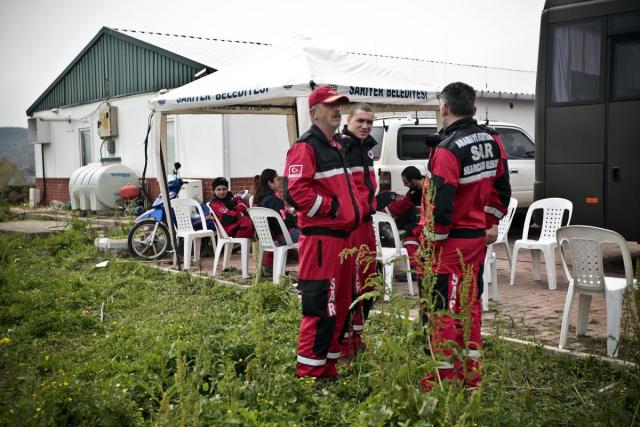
(335, 98)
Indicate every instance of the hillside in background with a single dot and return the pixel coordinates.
(15, 148)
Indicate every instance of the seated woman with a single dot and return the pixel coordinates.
(231, 211)
(267, 190)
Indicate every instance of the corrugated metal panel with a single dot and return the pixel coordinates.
(115, 65)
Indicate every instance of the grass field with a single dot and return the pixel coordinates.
(132, 345)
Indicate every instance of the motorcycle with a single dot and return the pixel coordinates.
(149, 237)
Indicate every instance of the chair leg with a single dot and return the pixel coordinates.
(196, 249)
(278, 264)
(506, 245)
(550, 264)
(613, 301)
(187, 252)
(535, 258)
(485, 297)
(584, 304)
(494, 278)
(228, 249)
(219, 248)
(486, 271)
(388, 279)
(409, 278)
(566, 315)
(244, 256)
(514, 263)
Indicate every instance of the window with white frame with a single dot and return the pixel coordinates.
(86, 149)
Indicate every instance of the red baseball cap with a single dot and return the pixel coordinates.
(326, 95)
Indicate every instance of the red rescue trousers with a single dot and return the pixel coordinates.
(325, 285)
(363, 265)
(447, 330)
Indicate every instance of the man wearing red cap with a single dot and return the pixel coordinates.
(318, 185)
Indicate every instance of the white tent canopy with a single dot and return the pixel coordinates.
(275, 78)
(279, 81)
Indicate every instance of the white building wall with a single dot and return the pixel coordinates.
(257, 142)
(199, 145)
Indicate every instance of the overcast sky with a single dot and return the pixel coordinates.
(39, 38)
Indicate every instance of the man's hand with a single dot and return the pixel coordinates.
(492, 234)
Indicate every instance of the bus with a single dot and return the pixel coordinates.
(587, 109)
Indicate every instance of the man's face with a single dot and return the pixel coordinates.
(327, 115)
(360, 123)
(221, 191)
(414, 184)
(444, 113)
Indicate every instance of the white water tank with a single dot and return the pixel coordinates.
(96, 186)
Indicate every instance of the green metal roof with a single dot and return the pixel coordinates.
(114, 64)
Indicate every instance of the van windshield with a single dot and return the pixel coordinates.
(377, 132)
(516, 144)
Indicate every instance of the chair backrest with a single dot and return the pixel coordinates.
(381, 218)
(585, 244)
(260, 217)
(505, 223)
(220, 231)
(183, 208)
(553, 210)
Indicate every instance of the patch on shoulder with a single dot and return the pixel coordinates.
(295, 171)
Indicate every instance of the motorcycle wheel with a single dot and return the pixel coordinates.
(148, 239)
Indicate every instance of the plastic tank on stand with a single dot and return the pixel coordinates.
(96, 186)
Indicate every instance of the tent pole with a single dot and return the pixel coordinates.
(226, 149)
(161, 173)
(302, 113)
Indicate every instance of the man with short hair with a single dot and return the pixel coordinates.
(470, 177)
(358, 144)
(318, 185)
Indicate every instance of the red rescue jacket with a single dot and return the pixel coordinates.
(470, 177)
(359, 156)
(229, 211)
(318, 184)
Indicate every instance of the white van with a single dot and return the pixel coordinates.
(401, 143)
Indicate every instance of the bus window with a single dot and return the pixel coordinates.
(626, 69)
(575, 62)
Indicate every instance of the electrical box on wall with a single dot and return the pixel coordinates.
(107, 121)
(39, 131)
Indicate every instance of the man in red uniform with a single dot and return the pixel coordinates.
(358, 145)
(469, 174)
(319, 186)
(413, 179)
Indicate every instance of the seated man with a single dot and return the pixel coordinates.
(231, 211)
(410, 202)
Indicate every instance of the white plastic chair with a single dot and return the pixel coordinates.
(260, 218)
(585, 244)
(387, 255)
(183, 209)
(490, 272)
(225, 242)
(553, 210)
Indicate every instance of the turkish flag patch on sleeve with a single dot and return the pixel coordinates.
(295, 171)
